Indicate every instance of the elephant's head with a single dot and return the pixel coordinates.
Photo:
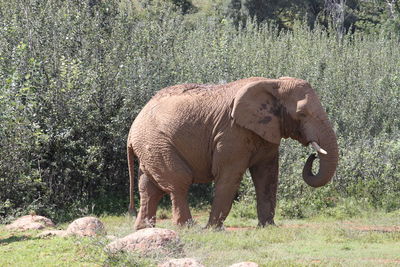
(289, 107)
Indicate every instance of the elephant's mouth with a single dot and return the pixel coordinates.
(317, 148)
(297, 133)
(301, 139)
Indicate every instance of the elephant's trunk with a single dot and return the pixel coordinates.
(328, 162)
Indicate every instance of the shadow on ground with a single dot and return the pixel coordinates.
(12, 239)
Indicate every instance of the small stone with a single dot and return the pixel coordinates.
(86, 226)
(50, 233)
(147, 240)
(245, 264)
(184, 262)
(30, 222)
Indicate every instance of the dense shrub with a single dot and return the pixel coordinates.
(74, 74)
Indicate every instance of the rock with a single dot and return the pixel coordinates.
(245, 264)
(147, 240)
(184, 262)
(49, 233)
(30, 222)
(86, 226)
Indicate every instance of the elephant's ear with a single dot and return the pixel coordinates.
(255, 107)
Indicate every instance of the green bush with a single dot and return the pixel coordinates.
(292, 209)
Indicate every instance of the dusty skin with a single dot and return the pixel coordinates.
(194, 133)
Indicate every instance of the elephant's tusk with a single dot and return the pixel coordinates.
(318, 148)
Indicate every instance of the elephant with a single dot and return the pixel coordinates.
(195, 133)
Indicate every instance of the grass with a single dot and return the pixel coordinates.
(368, 240)
(24, 249)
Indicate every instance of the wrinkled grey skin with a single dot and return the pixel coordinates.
(194, 133)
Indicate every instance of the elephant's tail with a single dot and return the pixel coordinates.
(131, 165)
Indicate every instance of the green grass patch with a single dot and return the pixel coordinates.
(367, 240)
(25, 249)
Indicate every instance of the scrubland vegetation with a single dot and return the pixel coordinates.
(74, 74)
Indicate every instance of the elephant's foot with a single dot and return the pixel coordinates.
(183, 219)
(216, 227)
(144, 223)
(185, 223)
(269, 222)
(216, 222)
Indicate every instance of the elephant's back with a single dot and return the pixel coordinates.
(185, 109)
(192, 89)
(168, 120)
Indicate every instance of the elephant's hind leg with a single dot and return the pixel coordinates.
(150, 196)
(172, 173)
(180, 207)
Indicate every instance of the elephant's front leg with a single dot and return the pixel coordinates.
(265, 179)
(229, 164)
(225, 190)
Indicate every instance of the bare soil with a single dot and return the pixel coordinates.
(347, 225)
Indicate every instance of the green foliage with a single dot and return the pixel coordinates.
(354, 15)
(74, 74)
(245, 208)
(186, 6)
(377, 16)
